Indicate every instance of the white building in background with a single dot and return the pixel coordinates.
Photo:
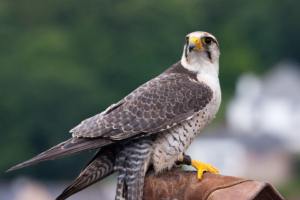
(259, 158)
(228, 155)
(269, 105)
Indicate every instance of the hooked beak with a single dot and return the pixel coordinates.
(194, 44)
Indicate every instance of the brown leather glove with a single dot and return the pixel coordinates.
(184, 185)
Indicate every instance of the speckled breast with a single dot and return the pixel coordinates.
(170, 144)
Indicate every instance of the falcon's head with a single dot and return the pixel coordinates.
(201, 53)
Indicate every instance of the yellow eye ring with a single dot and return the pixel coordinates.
(207, 40)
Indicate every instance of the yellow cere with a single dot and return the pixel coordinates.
(196, 42)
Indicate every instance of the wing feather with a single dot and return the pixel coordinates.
(157, 105)
(67, 148)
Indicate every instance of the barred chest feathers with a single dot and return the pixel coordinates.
(170, 144)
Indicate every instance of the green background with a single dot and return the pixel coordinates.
(64, 61)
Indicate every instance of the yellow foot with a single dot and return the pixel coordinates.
(202, 167)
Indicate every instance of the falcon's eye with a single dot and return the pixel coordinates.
(187, 38)
(207, 40)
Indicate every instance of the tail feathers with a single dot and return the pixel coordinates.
(132, 163)
(98, 169)
(69, 147)
(131, 184)
(135, 184)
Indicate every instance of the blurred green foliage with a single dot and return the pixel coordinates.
(64, 61)
(290, 190)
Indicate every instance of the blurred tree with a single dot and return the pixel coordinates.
(64, 61)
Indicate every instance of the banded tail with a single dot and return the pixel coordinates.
(101, 166)
(132, 163)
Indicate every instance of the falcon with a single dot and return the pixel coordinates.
(152, 126)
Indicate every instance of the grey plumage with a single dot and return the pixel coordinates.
(153, 125)
(67, 148)
(132, 161)
(101, 166)
(157, 105)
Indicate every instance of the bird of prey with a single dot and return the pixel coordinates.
(152, 126)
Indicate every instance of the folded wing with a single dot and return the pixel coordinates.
(159, 104)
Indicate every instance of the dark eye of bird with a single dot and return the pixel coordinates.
(208, 40)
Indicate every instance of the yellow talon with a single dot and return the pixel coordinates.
(181, 159)
(202, 167)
